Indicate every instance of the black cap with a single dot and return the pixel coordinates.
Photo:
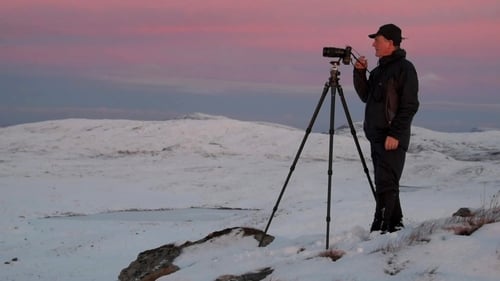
(390, 32)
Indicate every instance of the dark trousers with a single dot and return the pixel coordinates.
(388, 168)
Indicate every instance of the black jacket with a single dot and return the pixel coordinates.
(391, 98)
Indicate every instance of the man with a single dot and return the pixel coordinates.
(390, 94)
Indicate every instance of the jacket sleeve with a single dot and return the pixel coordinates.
(361, 84)
(408, 103)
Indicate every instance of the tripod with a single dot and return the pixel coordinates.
(333, 84)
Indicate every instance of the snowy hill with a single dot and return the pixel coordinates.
(81, 198)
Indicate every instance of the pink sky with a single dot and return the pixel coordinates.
(454, 44)
(123, 32)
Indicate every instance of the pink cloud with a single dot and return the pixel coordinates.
(212, 38)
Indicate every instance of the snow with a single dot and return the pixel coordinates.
(81, 198)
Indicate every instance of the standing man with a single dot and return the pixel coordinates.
(390, 94)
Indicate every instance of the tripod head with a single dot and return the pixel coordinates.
(334, 72)
(335, 65)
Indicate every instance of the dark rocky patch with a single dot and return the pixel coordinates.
(152, 264)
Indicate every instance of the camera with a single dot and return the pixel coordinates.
(333, 52)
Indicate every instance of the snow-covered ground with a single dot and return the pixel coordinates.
(81, 198)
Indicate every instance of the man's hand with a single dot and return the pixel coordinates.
(361, 63)
(391, 143)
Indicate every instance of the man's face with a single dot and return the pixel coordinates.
(383, 47)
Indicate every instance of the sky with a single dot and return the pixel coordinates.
(82, 198)
(250, 60)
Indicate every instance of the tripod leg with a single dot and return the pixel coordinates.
(297, 156)
(330, 166)
(353, 132)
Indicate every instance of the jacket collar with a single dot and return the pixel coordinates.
(396, 55)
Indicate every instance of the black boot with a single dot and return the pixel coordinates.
(397, 215)
(389, 200)
(377, 218)
(376, 225)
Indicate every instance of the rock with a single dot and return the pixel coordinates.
(152, 264)
(254, 276)
(463, 212)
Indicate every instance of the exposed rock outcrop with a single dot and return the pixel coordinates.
(152, 264)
